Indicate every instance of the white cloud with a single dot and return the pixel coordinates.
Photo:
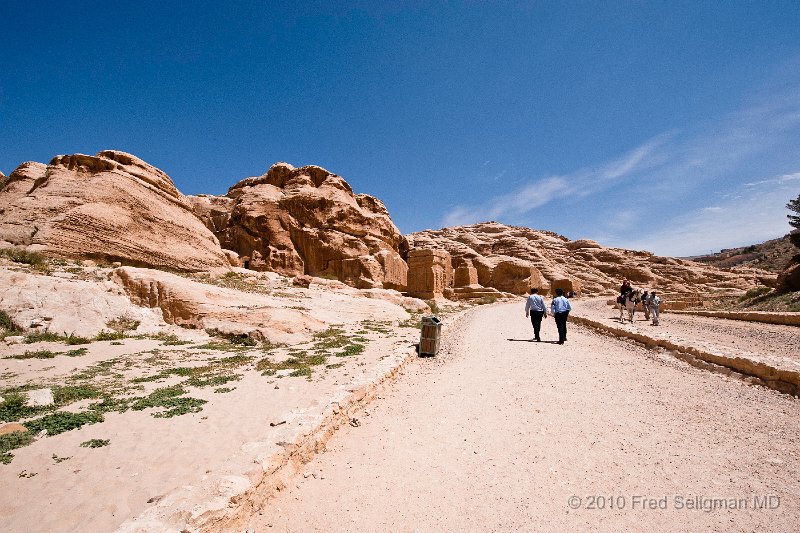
(754, 214)
(541, 191)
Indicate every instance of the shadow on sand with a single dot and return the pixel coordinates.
(531, 340)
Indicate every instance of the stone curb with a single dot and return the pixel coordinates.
(783, 319)
(784, 379)
(226, 501)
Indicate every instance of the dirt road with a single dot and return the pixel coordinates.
(502, 434)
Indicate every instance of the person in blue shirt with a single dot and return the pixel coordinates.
(560, 308)
(536, 309)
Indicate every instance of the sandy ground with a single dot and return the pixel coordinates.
(498, 433)
(752, 337)
(96, 489)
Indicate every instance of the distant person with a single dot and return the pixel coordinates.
(625, 288)
(560, 307)
(655, 303)
(646, 305)
(536, 309)
(623, 292)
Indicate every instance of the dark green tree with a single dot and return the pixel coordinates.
(794, 206)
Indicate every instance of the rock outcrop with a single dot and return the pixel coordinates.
(277, 318)
(195, 305)
(430, 272)
(65, 306)
(108, 207)
(306, 220)
(513, 259)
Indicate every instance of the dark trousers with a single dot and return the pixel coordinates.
(536, 320)
(561, 324)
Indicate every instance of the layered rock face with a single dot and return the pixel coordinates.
(194, 305)
(111, 207)
(508, 258)
(306, 220)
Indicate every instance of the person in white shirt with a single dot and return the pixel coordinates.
(560, 307)
(535, 308)
(654, 302)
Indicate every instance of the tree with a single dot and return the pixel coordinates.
(794, 206)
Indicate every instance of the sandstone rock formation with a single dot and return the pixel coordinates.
(307, 221)
(507, 258)
(430, 272)
(191, 304)
(255, 313)
(67, 306)
(109, 207)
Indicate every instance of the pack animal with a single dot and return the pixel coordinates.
(628, 303)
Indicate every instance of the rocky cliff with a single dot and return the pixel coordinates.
(307, 220)
(503, 257)
(111, 207)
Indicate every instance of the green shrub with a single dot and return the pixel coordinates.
(169, 398)
(242, 340)
(351, 349)
(7, 323)
(73, 393)
(212, 380)
(13, 408)
(74, 339)
(755, 292)
(11, 441)
(302, 371)
(122, 324)
(39, 354)
(20, 255)
(95, 443)
(110, 336)
(169, 339)
(43, 336)
(61, 421)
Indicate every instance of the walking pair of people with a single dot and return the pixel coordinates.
(536, 309)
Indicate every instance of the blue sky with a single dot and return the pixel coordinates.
(667, 126)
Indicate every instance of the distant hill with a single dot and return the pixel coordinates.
(772, 255)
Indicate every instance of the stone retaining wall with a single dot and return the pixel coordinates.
(784, 319)
(783, 376)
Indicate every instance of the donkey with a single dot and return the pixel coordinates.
(628, 303)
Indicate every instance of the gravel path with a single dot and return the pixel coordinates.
(753, 337)
(501, 434)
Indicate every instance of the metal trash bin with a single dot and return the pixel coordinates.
(430, 333)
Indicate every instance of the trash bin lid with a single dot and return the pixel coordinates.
(431, 320)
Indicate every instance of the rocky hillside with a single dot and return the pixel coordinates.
(590, 267)
(772, 255)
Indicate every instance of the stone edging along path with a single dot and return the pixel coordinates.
(783, 319)
(778, 373)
